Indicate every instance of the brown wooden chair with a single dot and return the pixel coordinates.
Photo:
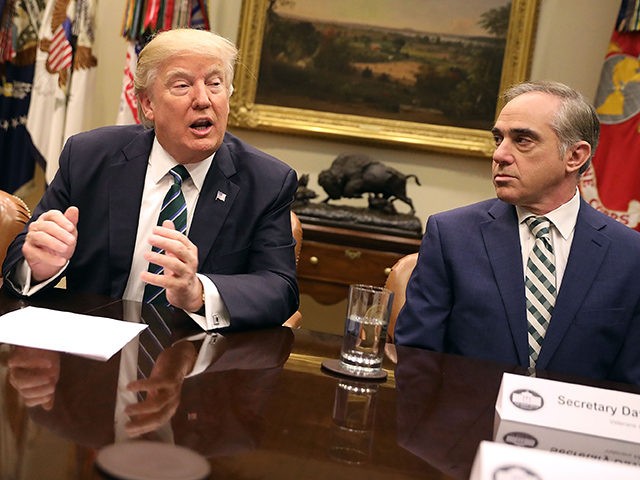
(295, 321)
(14, 214)
(397, 283)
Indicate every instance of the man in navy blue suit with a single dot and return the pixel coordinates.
(96, 223)
(467, 293)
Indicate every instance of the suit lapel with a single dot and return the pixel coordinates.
(214, 203)
(126, 182)
(502, 242)
(587, 252)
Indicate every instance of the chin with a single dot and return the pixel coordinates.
(505, 197)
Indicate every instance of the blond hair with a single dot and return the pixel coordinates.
(165, 45)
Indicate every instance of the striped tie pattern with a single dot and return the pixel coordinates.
(540, 285)
(152, 341)
(174, 208)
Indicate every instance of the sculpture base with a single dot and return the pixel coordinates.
(359, 218)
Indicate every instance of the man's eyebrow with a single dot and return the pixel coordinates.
(513, 132)
(182, 72)
(524, 131)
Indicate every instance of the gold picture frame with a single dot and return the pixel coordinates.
(247, 113)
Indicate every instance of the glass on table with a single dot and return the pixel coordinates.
(365, 334)
(365, 330)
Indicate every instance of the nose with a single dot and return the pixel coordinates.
(502, 153)
(201, 95)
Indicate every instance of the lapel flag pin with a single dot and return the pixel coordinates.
(221, 196)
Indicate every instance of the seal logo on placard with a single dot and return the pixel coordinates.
(514, 472)
(520, 439)
(526, 399)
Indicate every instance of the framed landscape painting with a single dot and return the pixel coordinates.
(415, 73)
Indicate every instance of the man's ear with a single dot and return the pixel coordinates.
(146, 105)
(577, 156)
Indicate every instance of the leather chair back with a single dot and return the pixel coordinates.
(295, 321)
(397, 283)
(14, 215)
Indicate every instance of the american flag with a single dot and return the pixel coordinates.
(60, 52)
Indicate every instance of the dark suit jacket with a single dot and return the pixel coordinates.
(466, 294)
(244, 243)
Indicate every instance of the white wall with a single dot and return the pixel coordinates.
(570, 45)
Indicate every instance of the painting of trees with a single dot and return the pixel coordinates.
(428, 77)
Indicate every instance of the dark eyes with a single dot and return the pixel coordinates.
(519, 140)
(522, 140)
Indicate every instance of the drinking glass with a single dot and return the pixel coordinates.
(365, 330)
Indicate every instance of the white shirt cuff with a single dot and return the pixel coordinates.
(216, 314)
(21, 279)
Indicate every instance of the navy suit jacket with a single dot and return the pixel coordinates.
(245, 245)
(466, 294)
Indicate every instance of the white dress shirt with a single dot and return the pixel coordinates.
(563, 224)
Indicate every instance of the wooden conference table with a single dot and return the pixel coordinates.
(262, 409)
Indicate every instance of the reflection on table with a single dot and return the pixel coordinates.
(255, 404)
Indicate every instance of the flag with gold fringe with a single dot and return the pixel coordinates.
(19, 26)
(142, 19)
(64, 79)
(612, 183)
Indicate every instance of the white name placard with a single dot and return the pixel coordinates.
(565, 406)
(497, 461)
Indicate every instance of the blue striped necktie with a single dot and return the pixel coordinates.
(174, 208)
(540, 285)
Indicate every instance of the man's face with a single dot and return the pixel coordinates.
(528, 169)
(188, 103)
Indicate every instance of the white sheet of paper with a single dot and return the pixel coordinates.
(93, 337)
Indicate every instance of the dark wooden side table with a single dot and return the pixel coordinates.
(332, 258)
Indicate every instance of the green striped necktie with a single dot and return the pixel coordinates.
(174, 208)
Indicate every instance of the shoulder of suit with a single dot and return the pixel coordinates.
(479, 209)
(122, 134)
(607, 225)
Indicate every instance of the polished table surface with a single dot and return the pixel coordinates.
(262, 409)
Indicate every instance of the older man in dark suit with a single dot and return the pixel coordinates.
(562, 295)
(225, 253)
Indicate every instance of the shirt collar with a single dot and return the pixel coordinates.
(160, 162)
(564, 217)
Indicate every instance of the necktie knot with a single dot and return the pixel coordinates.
(540, 227)
(179, 174)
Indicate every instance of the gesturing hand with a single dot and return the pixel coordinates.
(50, 242)
(180, 263)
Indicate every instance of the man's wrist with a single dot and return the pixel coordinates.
(201, 310)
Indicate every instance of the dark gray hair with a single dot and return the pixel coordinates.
(575, 120)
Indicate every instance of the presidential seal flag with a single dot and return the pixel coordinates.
(64, 77)
(612, 183)
(142, 18)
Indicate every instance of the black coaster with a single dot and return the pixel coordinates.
(146, 460)
(335, 366)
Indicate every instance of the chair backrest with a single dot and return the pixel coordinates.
(397, 283)
(295, 321)
(296, 229)
(14, 214)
